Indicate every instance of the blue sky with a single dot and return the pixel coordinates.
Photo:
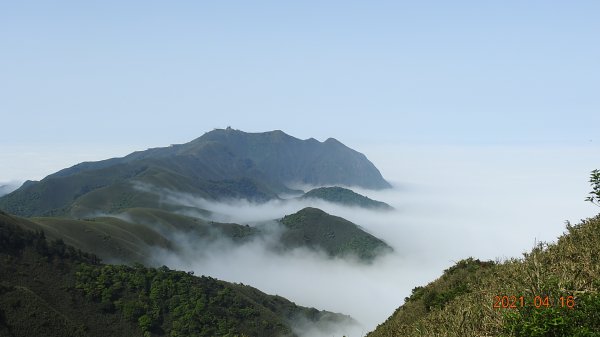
(113, 74)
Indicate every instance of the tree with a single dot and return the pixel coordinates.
(594, 197)
(145, 322)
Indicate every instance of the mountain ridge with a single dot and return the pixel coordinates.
(134, 234)
(223, 163)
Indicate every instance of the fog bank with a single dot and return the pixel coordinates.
(7, 187)
(451, 203)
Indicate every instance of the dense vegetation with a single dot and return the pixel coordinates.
(311, 227)
(162, 300)
(346, 197)
(222, 164)
(37, 289)
(461, 302)
(49, 288)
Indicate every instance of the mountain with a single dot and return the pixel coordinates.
(221, 164)
(314, 228)
(552, 291)
(134, 235)
(132, 209)
(291, 160)
(346, 197)
(51, 289)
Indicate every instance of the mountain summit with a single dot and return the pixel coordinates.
(221, 164)
(292, 160)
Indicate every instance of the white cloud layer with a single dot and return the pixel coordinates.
(451, 203)
(9, 186)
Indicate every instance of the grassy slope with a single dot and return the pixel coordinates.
(460, 302)
(346, 197)
(55, 193)
(135, 235)
(51, 289)
(112, 239)
(313, 228)
(134, 240)
(169, 221)
(112, 189)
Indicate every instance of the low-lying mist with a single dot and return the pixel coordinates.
(7, 187)
(450, 203)
(304, 276)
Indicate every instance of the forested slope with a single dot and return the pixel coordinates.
(52, 289)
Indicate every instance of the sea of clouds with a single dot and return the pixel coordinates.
(450, 203)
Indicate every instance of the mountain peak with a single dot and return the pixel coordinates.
(292, 160)
(336, 236)
(222, 163)
(332, 141)
(216, 134)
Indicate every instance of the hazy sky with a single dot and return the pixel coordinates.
(95, 79)
(151, 73)
(90, 80)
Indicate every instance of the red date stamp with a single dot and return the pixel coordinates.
(515, 302)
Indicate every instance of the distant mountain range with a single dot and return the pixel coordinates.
(116, 208)
(221, 164)
(120, 210)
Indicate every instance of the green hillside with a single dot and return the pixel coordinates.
(135, 239)
(313, 228)
(220, 165)
(111, 190)
(461, 302)
(346, 197)
(135, 233)
(49, 288)
(169, 222)
(114, 240)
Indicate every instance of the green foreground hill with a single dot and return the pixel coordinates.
(553, 289)
(51, 289)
